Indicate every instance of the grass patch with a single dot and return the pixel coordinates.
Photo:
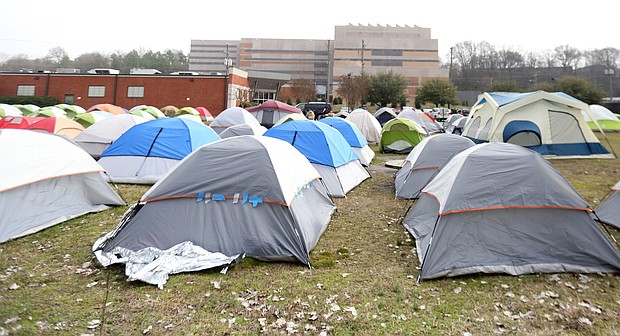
(363, 281)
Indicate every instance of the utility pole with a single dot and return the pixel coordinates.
(227, 63)
(363, 45)
(329, 72)
(450, 71)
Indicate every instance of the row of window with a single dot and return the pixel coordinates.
(94, 91)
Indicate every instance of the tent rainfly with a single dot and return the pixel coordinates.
(275, 211)
(47, 180)
(609, 210)
(354, 137)
(269, 112)
(400, 135)
(502, 208)
(367, 124)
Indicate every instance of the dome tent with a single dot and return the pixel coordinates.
(96, 138)
(354, 137)
(49, 180)
(367, 124)
(609, 209)
(385, 114)
(147, 151)
(425, 161)
(230, 117)
(243, 129)
(328, 152)
(271, 111)
(400, 135)
(502, 208)
(275, 211)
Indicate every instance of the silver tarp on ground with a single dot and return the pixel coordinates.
(153, 265)
(609, 210)
(510, 212)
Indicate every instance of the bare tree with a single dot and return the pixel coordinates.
(568, 56)
(92, 60)
(608, 57)
(548, 58)
(57, 55)
(509, 59)
(303, 89)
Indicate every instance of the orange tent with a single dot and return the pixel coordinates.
(107, 108)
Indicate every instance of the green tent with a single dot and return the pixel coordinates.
(400, 135)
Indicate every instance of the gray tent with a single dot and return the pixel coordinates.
(510, 212)
(245, 194)
(425, 160)
(609, 210)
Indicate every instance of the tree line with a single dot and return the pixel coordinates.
(167, 61)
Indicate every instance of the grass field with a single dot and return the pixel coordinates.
(363, 283)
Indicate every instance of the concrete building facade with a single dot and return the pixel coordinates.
(408, 51)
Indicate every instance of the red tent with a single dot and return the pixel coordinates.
(204, 113)
(18, 121)
(274, 105)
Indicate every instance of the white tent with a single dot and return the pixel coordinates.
(96, 138)
(367, 124)
(550, 123)
(47, 180)
(232, 116)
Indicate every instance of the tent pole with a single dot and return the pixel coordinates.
(428, 247)
(606, 229)
(149, 152)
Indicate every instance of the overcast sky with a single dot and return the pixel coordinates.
(34, 27)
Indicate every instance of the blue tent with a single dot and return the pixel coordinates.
(349, 131)
(318, 142)
(171, 138)
(327, 150)
(149, 150)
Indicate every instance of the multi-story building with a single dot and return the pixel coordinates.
(409, 51)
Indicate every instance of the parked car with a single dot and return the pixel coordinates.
(440, 113)
(463, 112)
(320, 109)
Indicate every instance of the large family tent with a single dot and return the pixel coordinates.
(367, 124)
(57, 125)
(96, 138)
(230, 117)
(425, 161)
(275, 211)
(327, 150)
(243, 129)
(47, 180)
(549, 123)
(270, 111)
(502, 208)
(606, 119)
(147, 151)
(384, 115)
(354, 137)
(609, 210)
(400, 135)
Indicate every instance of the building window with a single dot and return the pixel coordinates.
(135, 92)
(25, 90)
(96, 91)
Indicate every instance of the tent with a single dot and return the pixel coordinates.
(9, 110)
(327, 150)
(606, 119)
(452, 122)
(290, 117)
(367, 124)
(425, 161)
(46, 180)
(609, 210)
(270, 111)
(187, 110)
(96, 138)
(191, 117)
(147, 151)
(400, 135)
(107, 108)
(144, 114)
(90, 118)
(50, 112)
(71, 110)
(60, 126)
(502, 208)
(275, 211)
(169, 110)
(423, 119)
(152, 110)
(27, 109)
(19, 122)
(243, 129)
(232, 116)
(549, 123)
(354, 137)
(204, 114)
(385, 114)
